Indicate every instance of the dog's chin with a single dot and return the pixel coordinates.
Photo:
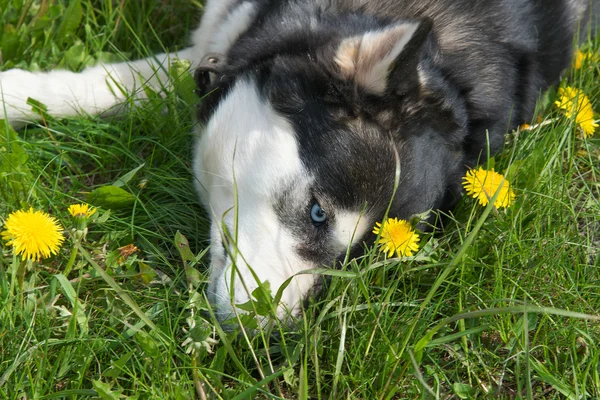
(217, 293)
(226, 310)
(234, 319)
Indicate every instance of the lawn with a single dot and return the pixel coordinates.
(503, 303)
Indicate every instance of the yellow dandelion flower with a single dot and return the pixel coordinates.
(33, 234)
(80, 210)
(483, 185)
(525, 127)
(397, 236)
(581, 57)
(573, 102)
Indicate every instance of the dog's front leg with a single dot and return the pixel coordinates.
(104, 88)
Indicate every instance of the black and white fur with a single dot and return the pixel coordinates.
(312, 108)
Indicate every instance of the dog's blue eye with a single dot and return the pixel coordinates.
(317, 214)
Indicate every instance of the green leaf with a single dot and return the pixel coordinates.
(329, 272)
(462, 390)
(194, 277)
(261, 300)
(218, 361)
(531, 324)
(105, 391)
(102, 218)
(416, 218)
(251, 392)
(290, 378)
(111, 197)
(547, 101)
(12, 163)
(9, 43)
(78, 307)
(106, 57)
(303, 390)
(76, 56)
(512, 172)
(70, 393)
(44, 19)
(183, 246)
(38, 107)
(421, 344)
(546, 376)
(122, 181)
(452, 337)
(183, 81)
(70, 21)
(147, 273)
(147, 344)
(116, 367)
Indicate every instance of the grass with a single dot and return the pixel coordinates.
(501, 304)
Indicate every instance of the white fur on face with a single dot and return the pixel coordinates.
(247, 145)
(247, 140)
(350, 227)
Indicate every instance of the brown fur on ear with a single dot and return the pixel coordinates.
(368, 59)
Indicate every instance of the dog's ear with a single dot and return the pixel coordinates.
(371, 59)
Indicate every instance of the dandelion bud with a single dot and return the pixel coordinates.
(81, 214)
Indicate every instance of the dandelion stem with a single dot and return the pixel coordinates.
(71, 261)
(198, 385)
(21, 278)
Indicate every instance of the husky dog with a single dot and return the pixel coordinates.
(312, 110)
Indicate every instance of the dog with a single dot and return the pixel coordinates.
(316, 116)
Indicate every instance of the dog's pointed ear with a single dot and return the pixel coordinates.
(370, 59)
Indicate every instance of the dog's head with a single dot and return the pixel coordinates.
(302, 139)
